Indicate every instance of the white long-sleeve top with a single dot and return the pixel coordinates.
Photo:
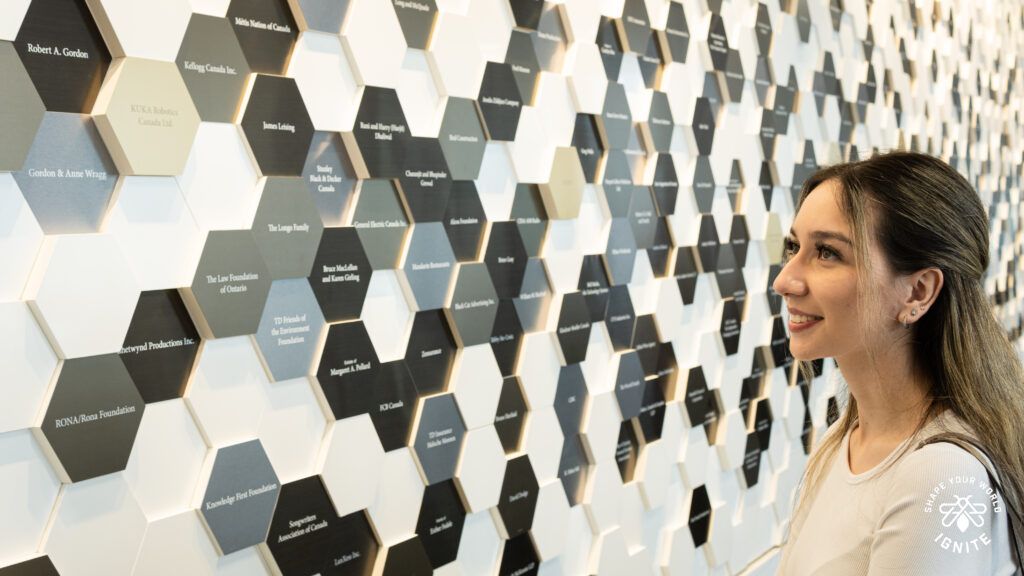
(931, 514)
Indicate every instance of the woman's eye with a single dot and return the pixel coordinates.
(827, 253)
(789, 249)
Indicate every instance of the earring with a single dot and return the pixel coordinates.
(913, 312)
(905, 324)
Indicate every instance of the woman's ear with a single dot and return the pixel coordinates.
(924, 287)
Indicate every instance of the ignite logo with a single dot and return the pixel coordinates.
(963, 513)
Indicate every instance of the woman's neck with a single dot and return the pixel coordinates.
(892, 394)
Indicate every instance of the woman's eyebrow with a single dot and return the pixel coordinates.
(824, 235)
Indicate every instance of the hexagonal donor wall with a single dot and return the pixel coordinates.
(570, 262)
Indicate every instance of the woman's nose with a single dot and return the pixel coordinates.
(789, 280)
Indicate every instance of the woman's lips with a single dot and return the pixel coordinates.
(800, 321)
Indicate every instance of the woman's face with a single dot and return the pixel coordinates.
(819, 284)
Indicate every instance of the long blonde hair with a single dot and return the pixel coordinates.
(922, 213)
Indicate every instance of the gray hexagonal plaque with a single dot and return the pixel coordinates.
(240, 498)
(213, 67)
(17, 93)
(68, 176)
(287, 228)
(289, 331)
(462, 139)
(330, 177)
(230, 287)
(429, 266)
(380, 222)
(473, 306)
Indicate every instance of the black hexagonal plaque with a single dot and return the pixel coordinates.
(276, 125)
(464, 220)
(407, 558)
(518, 496)
(519, 557)
(440, 523)
(611, 48)
(652, 411)
(534, 297)
(161, 347)
(700, 515)
(425, 181)
(573, 329)
(511, 416)
(307, 537)
(348, 369)
(627, 450)
(92, 418)
(523, 59)
(499, 101)
(64, 54)
(341, 274)
(379, 136)
(587, 142)
(394, 404)
(506, 259)
(266, 31)
(430, 352)
(506, 337)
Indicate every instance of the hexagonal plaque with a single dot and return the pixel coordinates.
(519, 558)
(506, 259)
(92, 418)
(621, 252)
(438, 438)
(563, 192)
(440, 523)
(230, 287)
(429, 266)
(573, 328)
(570, 399)
(464, 220)
(518, 497)
(341, 274)
(146, 117)
(616, 121)
(530, 216)
(378, 139)
(425, 182)
(620, 318)
(330, 177)
(394, 404)
(276, 125)
(523, 59)
(499, 102)
(381, 223)
(473, 305)
(527, 13)
(675, 39)
(161, 347)
(430, 352)
(18, 94)
(730, 329)
(700, 515)
(266, 32)
(213, 67)
(289, 331)
(40, 566)
(239, 499)
(573, 469)
(68, 177)
(549, 40)
(408, 557)
(287, 228)
(652, 411)
(63, 52)
(611, 48)
(462, 138)
(306, 536)
(506, 337)
(534, 297)
(587, 142)
(348, 369)
(629, 385)
(511, 416)
(417, 20)
(594, 286)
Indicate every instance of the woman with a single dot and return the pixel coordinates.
(883, 273)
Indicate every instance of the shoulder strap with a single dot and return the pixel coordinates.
(971, 446)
